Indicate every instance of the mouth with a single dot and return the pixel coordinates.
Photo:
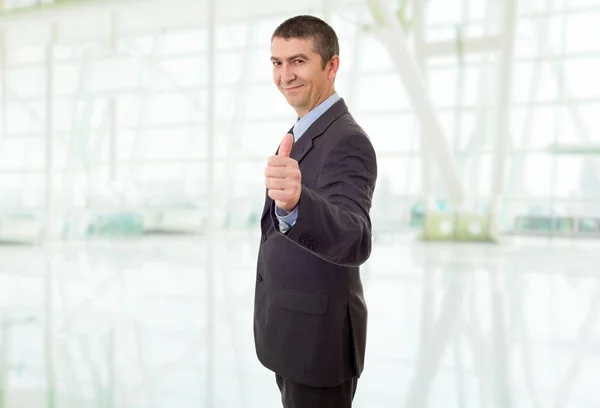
(293, 88)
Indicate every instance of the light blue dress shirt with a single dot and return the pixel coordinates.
(287, 221)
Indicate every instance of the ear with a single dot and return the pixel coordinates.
(332, 67)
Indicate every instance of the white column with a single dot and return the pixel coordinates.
(326, 4)
(49, 332)
(426, 155)
(483, 105)
(4, 83)
(210, 226)
(112, 153)
(3, 360)
(504, 103)
(355, 68)
(49, 133)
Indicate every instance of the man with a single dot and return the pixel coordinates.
(310, 316)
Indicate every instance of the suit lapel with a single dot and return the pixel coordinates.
(305, 144)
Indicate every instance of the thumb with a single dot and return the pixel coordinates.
(286, 145)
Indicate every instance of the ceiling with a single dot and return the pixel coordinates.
(78, 20)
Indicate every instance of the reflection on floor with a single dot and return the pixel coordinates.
(134, 324)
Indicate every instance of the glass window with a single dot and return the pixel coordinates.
(184, 41)
(374, 56)
(25, 117)
(380, 93)
(533, 83)
(536, 176)
(583, 31)
(391, 133)
(534, 126)
(439, 12)
(578, 74)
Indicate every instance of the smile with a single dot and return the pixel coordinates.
(293, 88)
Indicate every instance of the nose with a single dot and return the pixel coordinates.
(287, 74)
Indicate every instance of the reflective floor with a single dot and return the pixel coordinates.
(133, 324)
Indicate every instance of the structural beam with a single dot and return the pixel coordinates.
(469, 45)
(578, 149)
(391, 34)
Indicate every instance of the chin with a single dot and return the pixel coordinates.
(293, 102)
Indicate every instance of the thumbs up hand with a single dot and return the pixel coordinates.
(285, 148)
(283, 178)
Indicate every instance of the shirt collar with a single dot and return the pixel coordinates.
(304, 122)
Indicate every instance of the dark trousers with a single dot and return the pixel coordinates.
(294, 395)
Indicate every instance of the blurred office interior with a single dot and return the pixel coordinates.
(133, 140)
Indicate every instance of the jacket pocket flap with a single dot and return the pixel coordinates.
(311, 303)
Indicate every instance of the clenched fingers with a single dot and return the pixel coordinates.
(282, 172)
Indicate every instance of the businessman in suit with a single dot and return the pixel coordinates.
(310, 316)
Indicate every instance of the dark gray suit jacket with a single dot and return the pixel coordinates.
(310, 316)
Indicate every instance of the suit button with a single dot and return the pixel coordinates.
(264, 237)
(259, 279)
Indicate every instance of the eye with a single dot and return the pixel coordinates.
(276, 63)
(298, 61)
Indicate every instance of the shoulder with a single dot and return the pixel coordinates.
(349, 145)
(346, 132)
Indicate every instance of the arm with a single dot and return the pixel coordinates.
(333, 221)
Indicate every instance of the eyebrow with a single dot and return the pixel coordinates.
(293, 57)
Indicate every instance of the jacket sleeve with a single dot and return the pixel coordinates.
(333, 221)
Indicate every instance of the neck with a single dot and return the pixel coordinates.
(303, 112)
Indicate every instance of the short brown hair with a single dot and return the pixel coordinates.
(324, 37)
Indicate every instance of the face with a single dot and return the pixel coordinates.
(299, 75)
